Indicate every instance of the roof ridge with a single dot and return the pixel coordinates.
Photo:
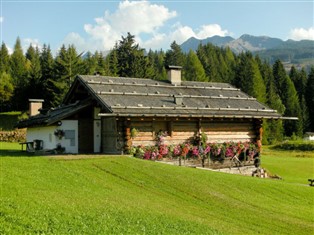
(190, 83)
(111, 92)
(110, 82)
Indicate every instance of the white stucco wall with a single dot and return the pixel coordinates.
(50, 141)
(42, 133)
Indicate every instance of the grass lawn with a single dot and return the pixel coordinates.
(123, 195)
(8, 120)
(6, 147)
(292, 166)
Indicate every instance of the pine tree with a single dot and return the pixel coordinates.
(47, 79)
(208, 55)
(259, 88)
(293, 109)
(36, 85)
(6, 90)
(68, 64)
(33, 61)
(102, 66)
(274, 128)
(194, 70)
(309, 97)
(175, 56)
(229, 58)
(18, 65)
(113, 62)
(46, 62)
(4, 59)
(131, 59)
(249, 78)
(61, 73)
(18, 71)
(159, 64)
(89, 63)
(299, 79)
(290, 99)
(151, 61)
(280, 77)
(305, 114)
(156, 60)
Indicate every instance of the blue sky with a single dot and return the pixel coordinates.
(97, 25)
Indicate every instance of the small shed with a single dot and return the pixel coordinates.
(309, 136)
(99, 113)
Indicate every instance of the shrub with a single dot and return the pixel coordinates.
(295, 145)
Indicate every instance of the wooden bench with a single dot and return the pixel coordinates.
(311, 182)
(29, 146)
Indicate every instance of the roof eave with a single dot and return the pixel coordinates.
(187, 116)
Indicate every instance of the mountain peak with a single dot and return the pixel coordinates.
(245, 43)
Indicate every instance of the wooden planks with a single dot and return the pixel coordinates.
(181, 131)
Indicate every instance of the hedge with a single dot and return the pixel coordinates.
(296, 145)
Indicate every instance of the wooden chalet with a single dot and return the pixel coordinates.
(99, 113)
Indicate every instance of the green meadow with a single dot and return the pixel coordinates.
(77, 194)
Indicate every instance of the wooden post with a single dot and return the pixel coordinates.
(259, 133)
(128, 139)
(199, 126)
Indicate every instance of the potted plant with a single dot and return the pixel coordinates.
(59, 133)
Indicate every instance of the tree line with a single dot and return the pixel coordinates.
(38, 74)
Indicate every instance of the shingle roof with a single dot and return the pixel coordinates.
(53, 115)
(146, 97)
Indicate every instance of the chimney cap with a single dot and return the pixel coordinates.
(175, 67)
(174, 74)
(36, 100)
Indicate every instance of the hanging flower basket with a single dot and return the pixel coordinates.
(59, 133)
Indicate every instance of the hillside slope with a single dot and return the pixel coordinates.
(122, 195)
(297, 53)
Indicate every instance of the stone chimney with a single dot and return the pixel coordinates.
(174, 74)
(34, 106)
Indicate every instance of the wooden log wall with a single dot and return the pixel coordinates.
(180, 131)
(224, 131)
(145, 133)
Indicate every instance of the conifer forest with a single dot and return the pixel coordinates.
(38, 74)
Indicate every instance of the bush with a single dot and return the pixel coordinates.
(8, 120)
(296, 145)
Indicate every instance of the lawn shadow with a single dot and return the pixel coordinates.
(14, 153)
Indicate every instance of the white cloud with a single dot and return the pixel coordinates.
(139, 17)
(143, 19)
(136, 17)
(1, 19)
(10, 50)
(157, 42)
(77, 40)
(211, 30)
(301, 33)
(26, 42)
(181, 33)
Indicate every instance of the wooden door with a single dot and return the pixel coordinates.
(85, 138)
(109, 135)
